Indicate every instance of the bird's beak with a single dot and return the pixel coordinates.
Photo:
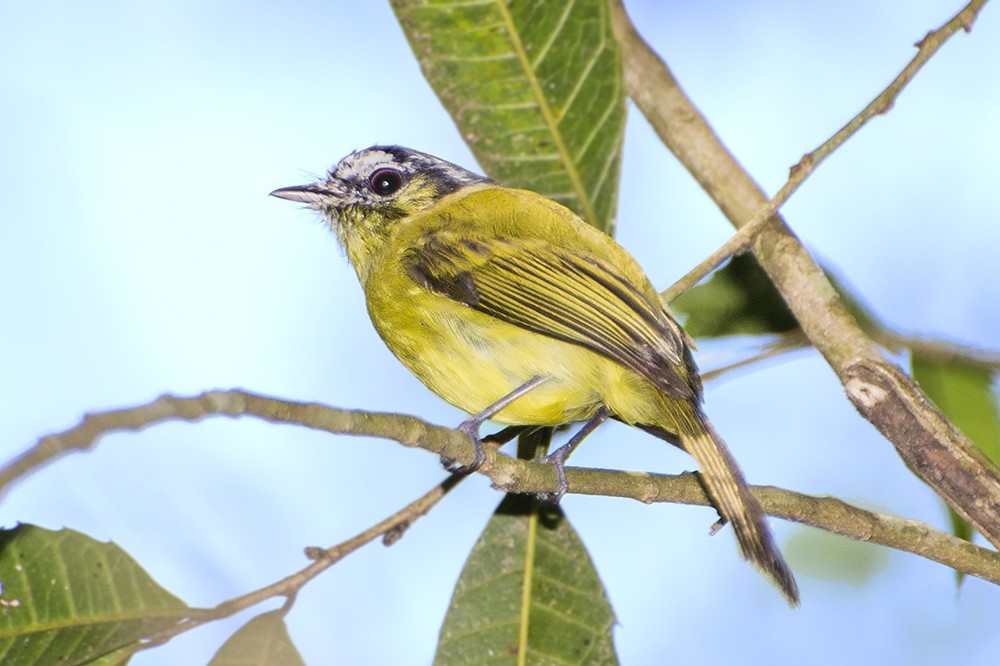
(312, 195)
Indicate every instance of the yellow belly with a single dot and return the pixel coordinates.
(472, 360)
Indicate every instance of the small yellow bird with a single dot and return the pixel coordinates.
(510, 307)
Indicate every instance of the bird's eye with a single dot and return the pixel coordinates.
(385, 182)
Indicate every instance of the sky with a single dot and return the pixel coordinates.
(141, 255)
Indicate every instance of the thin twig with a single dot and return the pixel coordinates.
(882, 104)
(389, 529)
(787, 342)
(736, 244)
(942, 350)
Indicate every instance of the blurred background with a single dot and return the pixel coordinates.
(140, 254)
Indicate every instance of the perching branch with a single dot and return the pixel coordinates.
(934, 450)
(507, 473)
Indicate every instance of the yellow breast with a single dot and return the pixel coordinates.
(472, 360)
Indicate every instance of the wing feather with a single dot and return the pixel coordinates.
(562, 293)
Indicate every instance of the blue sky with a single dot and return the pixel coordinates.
(140, 254)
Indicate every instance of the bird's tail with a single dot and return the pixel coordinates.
(728, 490)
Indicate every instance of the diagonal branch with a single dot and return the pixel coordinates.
(390, 529)
(929, 445)
(507, 473)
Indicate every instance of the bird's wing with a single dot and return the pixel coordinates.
(560, 292)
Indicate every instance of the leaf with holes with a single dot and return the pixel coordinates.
(68, 599)
(530, 589)
(536, 90)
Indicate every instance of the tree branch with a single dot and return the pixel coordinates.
(507, 473)
(884, 394)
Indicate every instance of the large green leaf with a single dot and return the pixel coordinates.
(528, 594)
(263, 641)
(68, 599)
(535, 88)
(963, 390)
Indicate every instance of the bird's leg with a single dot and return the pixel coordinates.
(471, 425)
(558, 457)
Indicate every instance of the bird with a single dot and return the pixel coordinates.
(509, 306)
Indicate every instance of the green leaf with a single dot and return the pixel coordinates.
(963, 390)
(116, 658)
(739, 299)
(68, 599)
(536, 90)
(263, 641)
(528, 588)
